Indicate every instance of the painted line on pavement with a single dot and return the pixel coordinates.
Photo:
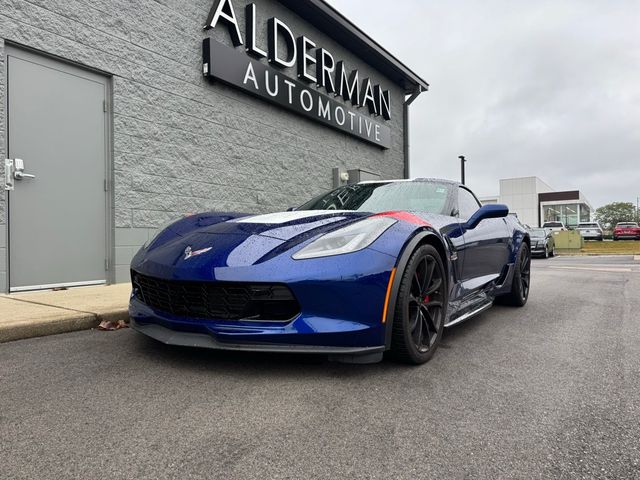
(593, 265)
(611, 270)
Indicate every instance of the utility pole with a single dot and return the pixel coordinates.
(462, 162)
(637, 209)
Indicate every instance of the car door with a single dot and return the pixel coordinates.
(485, 249)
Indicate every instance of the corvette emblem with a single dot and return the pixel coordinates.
(188, 252)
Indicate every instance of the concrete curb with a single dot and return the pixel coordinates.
(38, 314)
(69, 323)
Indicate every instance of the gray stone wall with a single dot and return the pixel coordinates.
(182, 144)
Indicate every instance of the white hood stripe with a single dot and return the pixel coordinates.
(284, 217)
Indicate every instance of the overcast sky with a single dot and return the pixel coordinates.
(545, 88)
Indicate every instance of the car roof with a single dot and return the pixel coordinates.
(420, 179)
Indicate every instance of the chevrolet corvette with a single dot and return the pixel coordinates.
(362, 270)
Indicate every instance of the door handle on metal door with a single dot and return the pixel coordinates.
(19, 170)
(20, 175)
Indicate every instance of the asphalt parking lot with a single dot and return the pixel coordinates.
(548, 391)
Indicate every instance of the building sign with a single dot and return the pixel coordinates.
(366, 106)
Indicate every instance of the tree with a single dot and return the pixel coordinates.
(616, 212)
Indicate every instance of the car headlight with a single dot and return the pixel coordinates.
(352, 238)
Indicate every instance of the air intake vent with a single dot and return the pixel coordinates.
(233, 301)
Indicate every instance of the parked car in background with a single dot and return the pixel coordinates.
(554, 226)
(590, 231)
(542, 242)
(626, 231)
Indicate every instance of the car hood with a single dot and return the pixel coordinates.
(284, 225)
(198, 244)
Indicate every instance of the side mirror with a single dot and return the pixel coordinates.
(291, 209)
(494, 210)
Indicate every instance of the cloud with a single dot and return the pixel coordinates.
(521, 88)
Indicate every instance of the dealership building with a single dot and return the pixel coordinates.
(117, 116)
(535, 202)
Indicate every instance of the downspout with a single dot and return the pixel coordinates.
(408, 102)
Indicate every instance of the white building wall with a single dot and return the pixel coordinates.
(542, 187)
(521, 196)
(489, 200)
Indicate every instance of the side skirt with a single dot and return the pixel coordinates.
(480, 301)
(470, 314)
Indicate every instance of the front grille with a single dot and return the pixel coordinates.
(217, 300)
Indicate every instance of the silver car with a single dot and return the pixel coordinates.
(590, 230)
(554, 226)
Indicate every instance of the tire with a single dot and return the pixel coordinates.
(546, 252)
(553, 251)
(421, 307)
(520, 284)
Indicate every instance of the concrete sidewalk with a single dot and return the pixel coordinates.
(35, 314)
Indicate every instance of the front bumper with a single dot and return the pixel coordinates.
(341, 303)
(201, 340)
(538, 249)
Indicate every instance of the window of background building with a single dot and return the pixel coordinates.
(569, 214)
(585, 213)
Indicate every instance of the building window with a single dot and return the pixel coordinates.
(585, 213)
(569, 214)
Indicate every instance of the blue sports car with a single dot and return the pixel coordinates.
(363, 269)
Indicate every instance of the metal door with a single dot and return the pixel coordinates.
(57, 126)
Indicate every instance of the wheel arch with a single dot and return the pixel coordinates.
(422, 237)
(527, 240)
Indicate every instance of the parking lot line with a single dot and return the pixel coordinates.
(595, 269)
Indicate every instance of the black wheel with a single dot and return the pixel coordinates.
(546, 251)
(421, 307)
(553, 251)
(521, 282)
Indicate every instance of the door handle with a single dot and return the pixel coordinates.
(18, 175)
(14, 170)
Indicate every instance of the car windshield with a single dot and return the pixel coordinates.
(382, 197)
(588, 225)
(553, 224)
(538, 232)
(628, 224)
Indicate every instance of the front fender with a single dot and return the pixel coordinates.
(419, 237)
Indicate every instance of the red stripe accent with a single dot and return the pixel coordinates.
(405, 216)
